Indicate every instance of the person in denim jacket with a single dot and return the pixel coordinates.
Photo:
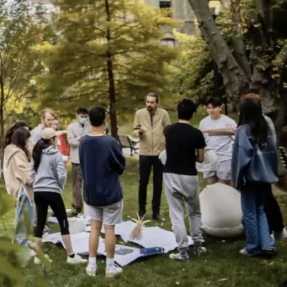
(254, 168)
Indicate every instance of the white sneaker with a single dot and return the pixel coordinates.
(32, 253)
(283, 234)
(38, 261)
(181, 256)
(114, 271)
(77, 259)
(91, 270)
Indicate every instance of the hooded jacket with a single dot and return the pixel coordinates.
(51, 175)
(17, 171)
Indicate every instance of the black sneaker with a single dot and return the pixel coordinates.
(157, 217)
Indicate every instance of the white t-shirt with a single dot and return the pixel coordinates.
(222, 145)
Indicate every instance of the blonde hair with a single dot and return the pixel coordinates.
(49, 111)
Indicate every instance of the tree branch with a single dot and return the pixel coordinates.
(237, 40)
(234, 78)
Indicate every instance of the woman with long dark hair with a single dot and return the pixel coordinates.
(254, 169)
(50, 175)
(19, 182)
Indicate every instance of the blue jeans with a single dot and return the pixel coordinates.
(258, 238)
(24, 214)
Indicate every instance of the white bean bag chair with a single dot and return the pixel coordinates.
(221, 211)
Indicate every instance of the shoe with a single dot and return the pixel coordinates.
(282, 234)
(74, 214)
(269, 251)
(142, 213)
(46, 229)
(244, 252)
(32, 253)
(38, 261)
(114, 272)
(180, 256)
(31, 244)
(77, 259)
(91, 270)
(199, 249)
(157, 217)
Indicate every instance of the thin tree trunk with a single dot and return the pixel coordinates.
(112, 91)
(2, 97)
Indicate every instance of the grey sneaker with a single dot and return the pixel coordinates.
(199, 249)
(180, 256)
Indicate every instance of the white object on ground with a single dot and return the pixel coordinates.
(221, 210)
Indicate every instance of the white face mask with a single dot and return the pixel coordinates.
(82, 121)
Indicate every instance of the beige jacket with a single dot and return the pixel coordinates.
(152, 142)
(74, 131)
(17, 171)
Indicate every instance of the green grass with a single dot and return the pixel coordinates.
(222, 266)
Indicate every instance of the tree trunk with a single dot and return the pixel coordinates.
(2, 97)
(112, 91)
(235, 80)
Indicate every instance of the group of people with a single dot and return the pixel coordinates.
(35, 173)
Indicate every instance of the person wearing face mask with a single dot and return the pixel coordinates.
(74, 132)
(149, 124)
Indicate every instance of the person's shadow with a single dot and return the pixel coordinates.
(283, 283)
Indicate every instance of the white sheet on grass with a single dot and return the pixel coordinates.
(124, 255)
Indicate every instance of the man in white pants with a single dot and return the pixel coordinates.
(184, 147)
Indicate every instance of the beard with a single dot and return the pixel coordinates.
(150, 109)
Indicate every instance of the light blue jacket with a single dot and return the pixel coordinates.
(249, 163)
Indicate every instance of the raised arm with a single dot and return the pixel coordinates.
(72, 140)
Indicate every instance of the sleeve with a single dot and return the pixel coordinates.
(23, 169)
(272, 130)
(116, 160)
(136, 124)
(166, 120)
(200, 141)
(61, 170)
(32, 172)
(72, 140)
(35, 136)
(241, 158)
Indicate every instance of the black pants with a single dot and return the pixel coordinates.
(45, 199)
(273, 213)
(146, 164)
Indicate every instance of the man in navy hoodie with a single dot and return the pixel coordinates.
(102, 162)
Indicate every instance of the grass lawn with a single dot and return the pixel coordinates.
(222, 266)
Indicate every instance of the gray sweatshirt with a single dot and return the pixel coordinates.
(51, 175)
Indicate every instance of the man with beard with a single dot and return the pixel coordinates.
(47, 118)
(149, 125)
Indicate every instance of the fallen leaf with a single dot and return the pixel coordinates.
(122, 243)
(177, 282)
(223, 279)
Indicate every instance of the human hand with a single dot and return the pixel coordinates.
(142, 130)
(232, 129)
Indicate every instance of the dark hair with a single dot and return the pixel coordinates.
(153, 95)
(97, 116)
(185, 109)
(214, 101)
(251, 114)
(19, 139)
(11, 130)
(82, 111)
(37, 151)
